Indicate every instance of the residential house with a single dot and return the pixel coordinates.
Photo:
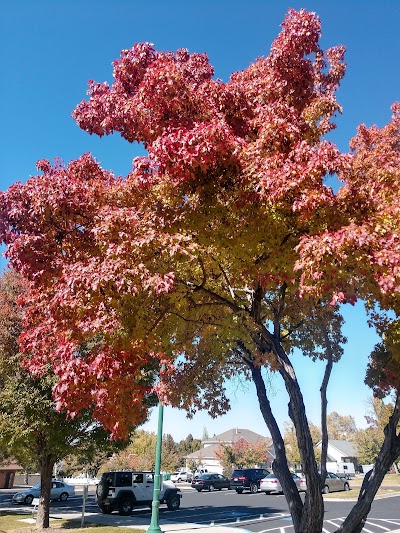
(341, 451)
(206, 457)
(7, 473)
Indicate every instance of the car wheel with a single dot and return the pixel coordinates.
(173, 503)
(63, 496)
(211, 488)
(266, 492)
(325, 490)
(126, 508)
(254, 488)
(346, 486)
(239, 491)
(179, 480)
(106, 509)
(198, 490)
(28, 499)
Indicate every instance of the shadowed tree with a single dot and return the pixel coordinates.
(31, 429)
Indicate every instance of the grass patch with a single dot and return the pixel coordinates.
(14, 522)
(389, 479)
(354, 492)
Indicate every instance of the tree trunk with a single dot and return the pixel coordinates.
(313, 510)
(47, 461)
(280, 465)
(324, 405)
(310, 518)
(388, 453)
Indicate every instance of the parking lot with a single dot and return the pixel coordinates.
(259, 513)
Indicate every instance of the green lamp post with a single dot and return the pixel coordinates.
(155, 505)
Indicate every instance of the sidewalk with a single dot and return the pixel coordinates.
(138, 521)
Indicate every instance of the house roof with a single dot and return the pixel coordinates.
(208, 452)
(346, 448)
(11, 465)
(213, 444)
(235, 434)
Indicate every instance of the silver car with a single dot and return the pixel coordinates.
(271, 484)
(334, 482)
(59, 491)
(177, 477)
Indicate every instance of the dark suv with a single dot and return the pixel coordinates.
(248, 479)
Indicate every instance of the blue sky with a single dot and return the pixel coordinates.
(49, 49)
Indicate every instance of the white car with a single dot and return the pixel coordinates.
(58, 491)
(177, 477)
(271, 483)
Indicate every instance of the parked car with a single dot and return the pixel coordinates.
(271, 483)
(247, 479)
(199, 473)
(211, 482)
(334, 483)
(58, 491)
(122, 490)
(177, 477)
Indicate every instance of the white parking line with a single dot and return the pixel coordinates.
(377, 525)
(336, 523)
(281, 529)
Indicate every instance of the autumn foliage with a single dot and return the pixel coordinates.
(127, 273)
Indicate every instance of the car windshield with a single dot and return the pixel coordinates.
(273, 476)
(37, 486)
(205, 476)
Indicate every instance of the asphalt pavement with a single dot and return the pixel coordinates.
(137, 521)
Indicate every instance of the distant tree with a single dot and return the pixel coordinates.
(292, 450)
(192, 465)
(141, 450)
(379, 413)
(227, 457)
(205, 435)
(369, 442)
(341, 427)
(242, 454)
(170, 459)
(189, 445)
